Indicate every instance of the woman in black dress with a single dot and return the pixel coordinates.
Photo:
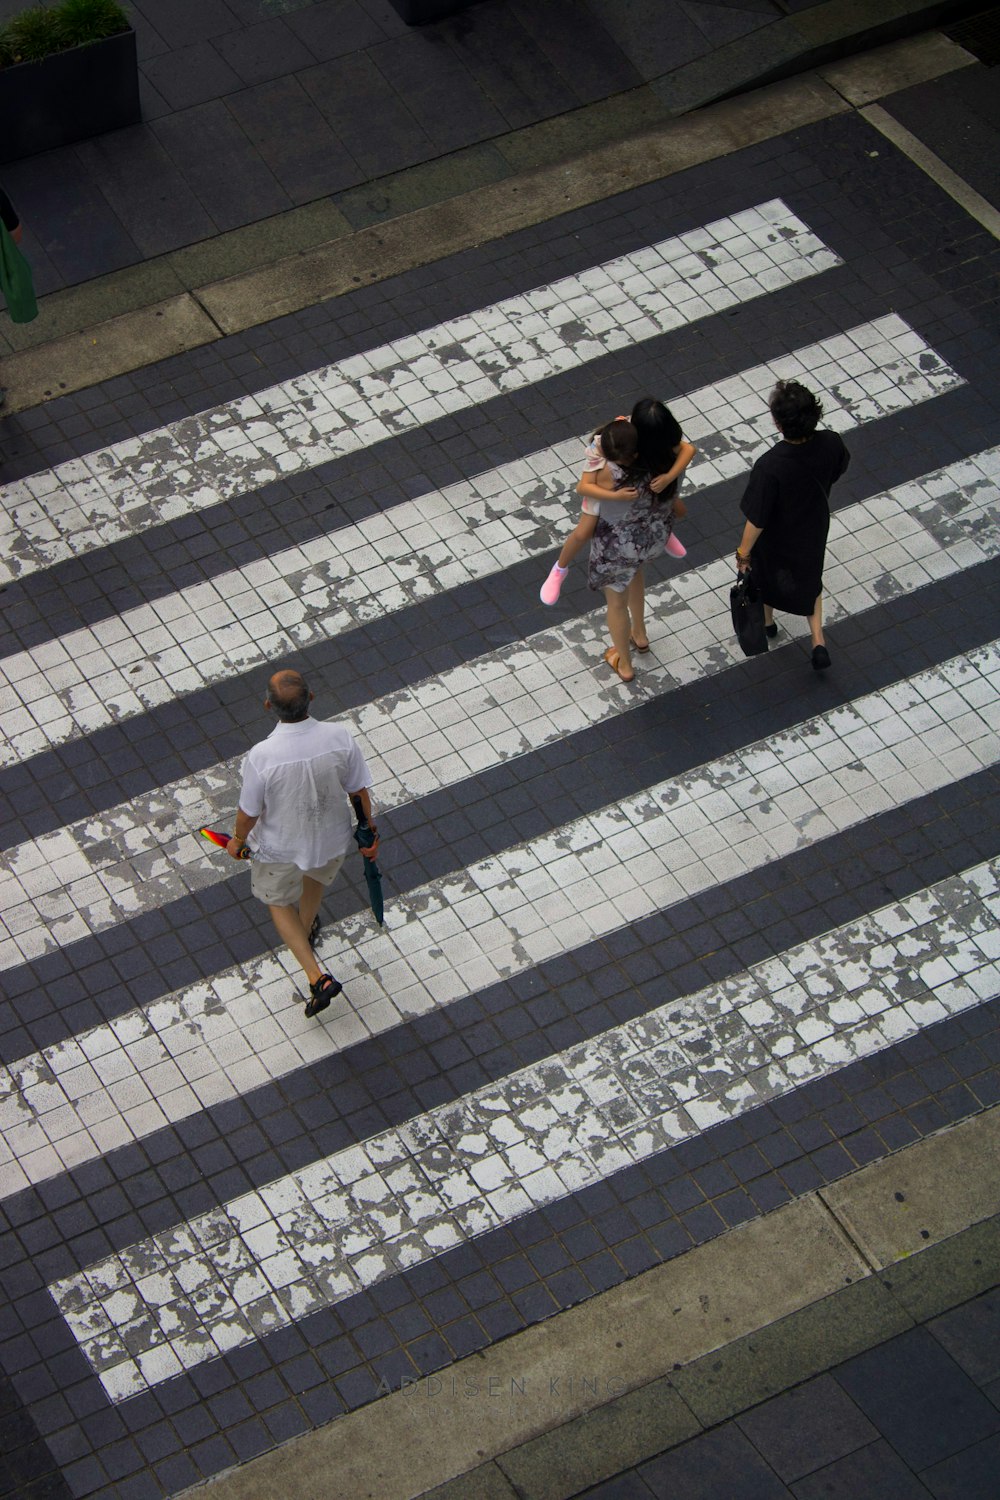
(787, 506)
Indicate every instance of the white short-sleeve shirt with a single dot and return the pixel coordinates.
(297, 783)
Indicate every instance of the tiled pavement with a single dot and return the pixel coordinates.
(916, 1416)
(295, 599)
(960, 122)
(621, 1097)
(307, 100)
(143, 851)
(653, 964)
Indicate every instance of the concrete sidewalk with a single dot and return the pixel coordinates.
(272, 127)
(674, 1355)
(133, 317)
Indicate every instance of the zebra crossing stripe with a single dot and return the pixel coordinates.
(221, 1038)
(146, 656)
(232, 449)
(86, 877)
(318, 1235)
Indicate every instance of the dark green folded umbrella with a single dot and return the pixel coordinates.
(364, 838)
(15, 280)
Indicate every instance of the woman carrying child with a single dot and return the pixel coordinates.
(647, 418)
(634, 524)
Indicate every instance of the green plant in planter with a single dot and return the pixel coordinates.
(38, 32)
(90, 20)
(31, 35)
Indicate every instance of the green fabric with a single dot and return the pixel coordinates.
(15, 280)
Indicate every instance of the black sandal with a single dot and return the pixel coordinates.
(322, 992)
(315, 931)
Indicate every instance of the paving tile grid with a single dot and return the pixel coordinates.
(681, 750)
(943, 118)
(286, 94)
(244, 363)
(706, 939)
(750, 1030)
(150, 656)
(901, 216)
(420, 1316)
(410, 980)
(521, 799)
(417, 1322)
(160, 539)
(939, 438)
(916, 1416)
(388, 653)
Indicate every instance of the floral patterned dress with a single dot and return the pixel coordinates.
(623, 542)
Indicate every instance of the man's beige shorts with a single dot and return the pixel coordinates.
(281, 885)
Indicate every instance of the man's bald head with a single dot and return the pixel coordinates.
(289, 696)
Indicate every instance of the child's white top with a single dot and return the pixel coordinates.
(593, 462)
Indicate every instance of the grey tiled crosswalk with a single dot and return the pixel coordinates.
(773, 771)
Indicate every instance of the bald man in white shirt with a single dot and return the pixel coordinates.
(295, 815)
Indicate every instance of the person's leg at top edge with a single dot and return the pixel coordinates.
(820, 655)
(574, 544)
(635, 598)
(618, 655)
(292, 924)
(296, 939)
(309, 903)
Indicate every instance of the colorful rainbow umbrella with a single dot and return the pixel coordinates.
(221, 840)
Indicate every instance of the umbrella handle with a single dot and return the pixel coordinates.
(364, 835)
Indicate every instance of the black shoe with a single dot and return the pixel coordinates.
(820, 658)
(315, 931)
(322, 992)
(3, 395)
(770, 631)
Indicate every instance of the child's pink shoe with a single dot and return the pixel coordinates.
(674, 548)
(549, 592)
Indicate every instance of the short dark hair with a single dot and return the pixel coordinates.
(795, 409)
(288, 694)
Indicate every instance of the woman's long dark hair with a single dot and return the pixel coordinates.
(659, 433)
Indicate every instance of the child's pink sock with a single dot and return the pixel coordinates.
(549, 591)
(674, 547)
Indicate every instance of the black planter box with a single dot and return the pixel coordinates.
(68, 96)
(420, 12)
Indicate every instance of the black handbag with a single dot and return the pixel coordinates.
(747, 607)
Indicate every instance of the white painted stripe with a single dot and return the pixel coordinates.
(237, 447)
(316, 1236)
(939, 171)
(221, 1038)
(123, 666)
(84, 878)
